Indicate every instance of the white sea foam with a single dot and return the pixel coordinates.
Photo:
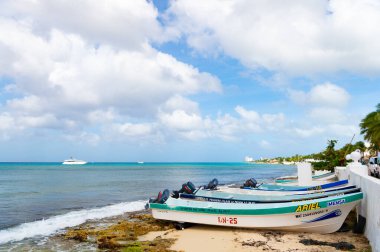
(74, 218)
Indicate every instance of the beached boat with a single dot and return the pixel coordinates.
(270, 189)
(323, 185)
(217, 196)
(316, 178)
(73, 161)
(324, 215)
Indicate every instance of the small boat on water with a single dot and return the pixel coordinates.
(73, 161)
(322, 215)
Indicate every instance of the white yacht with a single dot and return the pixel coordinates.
(73, 161)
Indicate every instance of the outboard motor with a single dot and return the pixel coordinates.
(212, 184)
(161, 197)
(188, 188)
(165, 196)
(175, 194)
(250, 183)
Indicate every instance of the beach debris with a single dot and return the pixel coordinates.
(254, 243)
(263, 245)
(276, 235)
(338, 245)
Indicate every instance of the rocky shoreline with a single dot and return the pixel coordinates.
(121, 233)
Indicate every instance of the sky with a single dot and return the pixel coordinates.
(185, 80)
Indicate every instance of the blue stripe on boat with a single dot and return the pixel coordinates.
(324, 186)
(298, 188)
(330, 215)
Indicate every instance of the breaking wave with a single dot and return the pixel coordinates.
(70, 219)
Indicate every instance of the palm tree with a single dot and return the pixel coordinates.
(370, 127)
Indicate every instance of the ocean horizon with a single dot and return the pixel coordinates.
(39, 199)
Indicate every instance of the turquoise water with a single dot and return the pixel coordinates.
(31, 192)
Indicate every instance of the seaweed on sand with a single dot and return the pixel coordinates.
(337, 245)
(123, 235)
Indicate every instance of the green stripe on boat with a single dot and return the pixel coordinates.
(264, 211)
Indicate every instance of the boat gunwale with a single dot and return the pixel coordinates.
(261, 209)
(292, 179)
(298, 188)
(296, 198)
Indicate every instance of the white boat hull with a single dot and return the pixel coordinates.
(74, 162)
(297, 221)
(269, 193)
(316, 181)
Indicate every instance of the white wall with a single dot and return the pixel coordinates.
(304, 174)
(342, 172)
(370, 206)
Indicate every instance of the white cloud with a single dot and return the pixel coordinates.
(346, 130)
(194, 126)
(295, 37)
(328, 131)
(309, 132)
(125, 24)
(11, 125)
(274, 121)
(83, 138)
(60, 76)
(103, 116)
(178, 102)
(90, 71)
(134, 130)
(8, 126)
(247, 115)
(41, 121)
(180, 120)
(226, 127)
(327, 115)
(88, 77)
(325, 106)
(328, 95)
(325, 102)
(30, 104)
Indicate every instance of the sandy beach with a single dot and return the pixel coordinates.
(210, 238)
(140, 232)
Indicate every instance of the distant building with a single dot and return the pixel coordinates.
(312, 160)
(273, 161)
(288, 162)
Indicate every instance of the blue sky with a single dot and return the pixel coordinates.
(184, 80)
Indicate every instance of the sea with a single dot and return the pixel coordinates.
(38, 200)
